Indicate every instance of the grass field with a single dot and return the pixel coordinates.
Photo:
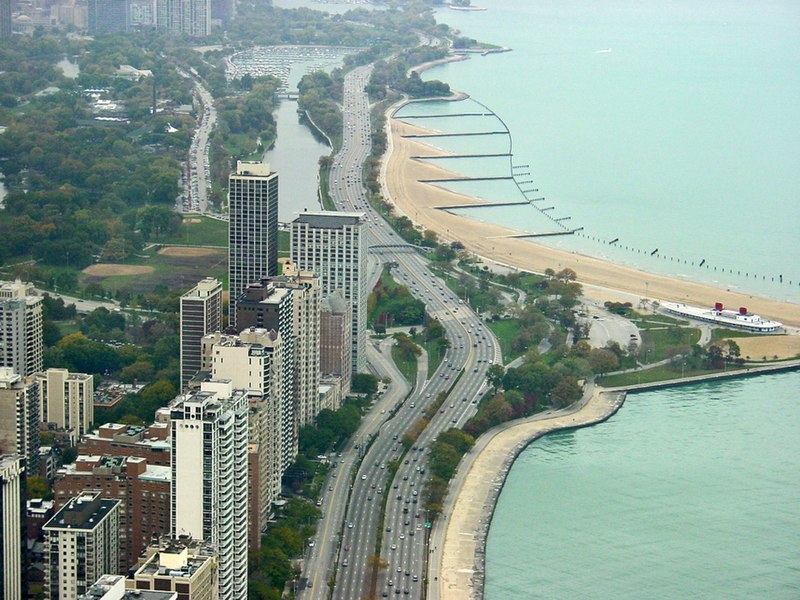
(178, 273)
(506, 330)
(198, 231)
(407, 367)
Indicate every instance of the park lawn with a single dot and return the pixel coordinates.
(206, 232)
(177, 273)
(661, 373)
(407, 367)
(284, 239)
(434, 356)
(658, 344)
(67, 327)
(506, 331)
(719, 334)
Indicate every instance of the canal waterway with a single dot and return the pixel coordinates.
(669, 127)
(685, 493)
(295, 156)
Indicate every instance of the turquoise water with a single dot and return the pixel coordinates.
(681, 139)
(685, 493)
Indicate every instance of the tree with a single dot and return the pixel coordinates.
(364, 383)
(602, 360)
(494, 376)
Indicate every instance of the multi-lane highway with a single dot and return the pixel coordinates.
(461, 375)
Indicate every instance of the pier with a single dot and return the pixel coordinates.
(452, 179)
(478, 205)
(522, 236)
(401, 117)
(501, 155)
(467, 134)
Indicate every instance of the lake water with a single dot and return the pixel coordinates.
(668, 126)
(682, 138)
(684, 493)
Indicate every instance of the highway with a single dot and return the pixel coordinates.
(473, 348)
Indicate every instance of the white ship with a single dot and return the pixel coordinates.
(720, 315)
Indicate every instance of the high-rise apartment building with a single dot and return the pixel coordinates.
(335, 339)
(143, 491)
(80, 545)
(183, 17)
(201, 314)
(305, 306)
(253, 227)
(181, 565)
(66, 399)
(21, 345)
(263, 305)
(19, 417)
(209, 477)
(11, 531)
(253, 361)
(109, 16)
(5, 19)
(333, 246)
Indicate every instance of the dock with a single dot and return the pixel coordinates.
(452, 179)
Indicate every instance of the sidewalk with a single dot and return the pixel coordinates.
(458, 540)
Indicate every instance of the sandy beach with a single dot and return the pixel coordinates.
(601, 279)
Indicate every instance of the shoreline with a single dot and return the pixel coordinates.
(456, 566)
(401, 187)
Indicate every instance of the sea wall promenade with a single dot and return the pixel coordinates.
(458, 540)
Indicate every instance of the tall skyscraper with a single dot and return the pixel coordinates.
(305, 306)
(5, 19)
(265, 306)
(11, 533)
(335, 338)
(333, 246)
(253, 227)
(109, 16)
(209, 477)
(21, 345)
(19, 418)
(66, 399)
(253, 361)
(201, 313)
(81, 544)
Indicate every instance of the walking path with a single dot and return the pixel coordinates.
(458, 539)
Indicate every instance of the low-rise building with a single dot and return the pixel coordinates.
(112, 587)
(116, 439)
(185, 566)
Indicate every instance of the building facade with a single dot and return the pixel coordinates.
(66, 399)
(19, 417)
(201, 314)
(143, 491)
(263, 305)
(80, 545)
(11, 532)
(21, 344)
(306, 310)
(109, 16)
(253, 361)
(253, 227)
(209, 477)
(333, 246)
(335, 339)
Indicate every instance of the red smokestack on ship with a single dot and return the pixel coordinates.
(742, 310)
(718, 306)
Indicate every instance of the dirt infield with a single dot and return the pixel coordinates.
(193, 220)
(190, 251)
(769, 347)
(111, 269)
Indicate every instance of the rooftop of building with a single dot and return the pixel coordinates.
(335, 303)
(204, 288)
(112, 587)
(180, 558)
(17, 290)
(37, 506)
(252, 168)
(10, 462)
(82, 512)
(68, 375)
(328, 218)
